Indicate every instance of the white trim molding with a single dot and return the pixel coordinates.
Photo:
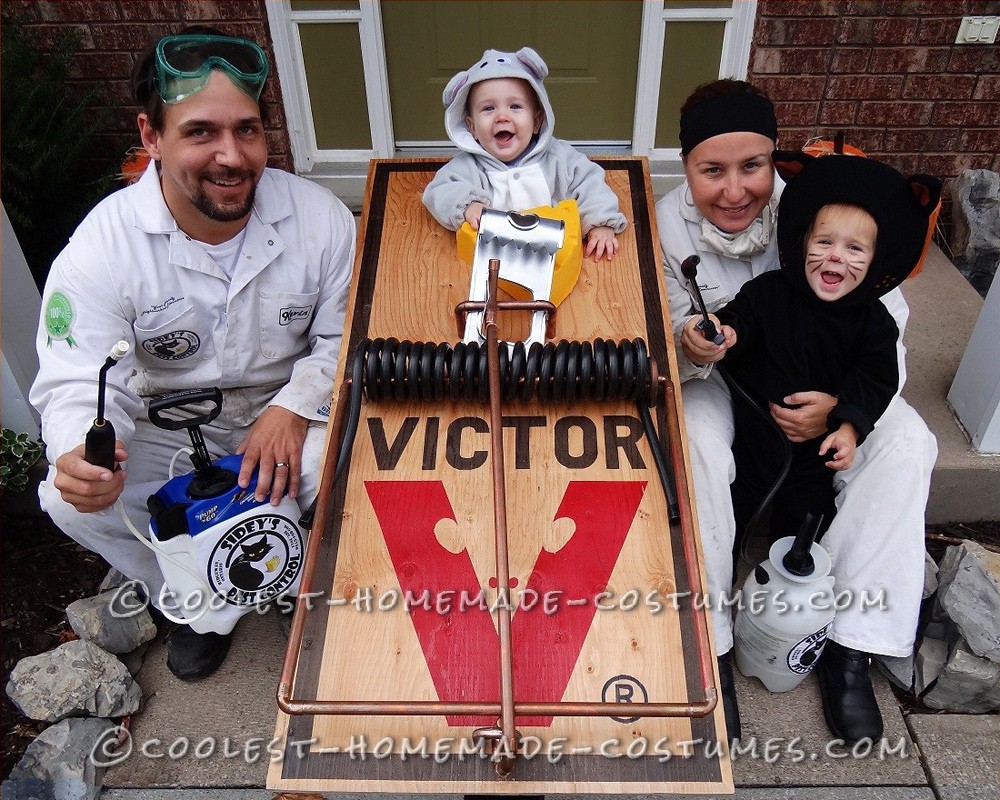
(284, 24)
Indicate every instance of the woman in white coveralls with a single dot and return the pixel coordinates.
(724, 213)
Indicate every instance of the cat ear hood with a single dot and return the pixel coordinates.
(902, 208)
(525, 64)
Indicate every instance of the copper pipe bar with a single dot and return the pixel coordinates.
(690, 549)
(505, 305)
(466, 306)
(325, 492)
(429, 708)
(505, 765)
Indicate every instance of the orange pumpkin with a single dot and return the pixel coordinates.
(135, 163)
(824, 147)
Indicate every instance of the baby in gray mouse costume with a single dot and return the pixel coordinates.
(498, 114)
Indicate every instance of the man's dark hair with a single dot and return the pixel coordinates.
(720, 88)
(143, 79)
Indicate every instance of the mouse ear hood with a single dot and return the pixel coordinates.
(902, 209)
(525, 65)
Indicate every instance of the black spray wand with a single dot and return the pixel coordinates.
(689, 268)
(100, 443)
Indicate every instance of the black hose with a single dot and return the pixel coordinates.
(734, 386)
(689, 268)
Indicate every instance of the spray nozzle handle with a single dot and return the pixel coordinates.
(188, 397)
(709, 331)
(99, 445)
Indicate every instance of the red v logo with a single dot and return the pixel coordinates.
(461, 647)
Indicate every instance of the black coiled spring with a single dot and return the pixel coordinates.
(551, 373)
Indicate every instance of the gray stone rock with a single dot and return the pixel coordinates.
(111, 621)
(969, 593)
(898, 669)
(930, 575)
(112, 580)
(133, 661)
(968, 684)
(975, 220)
(75, 679)
(58, 765)
(930, 662)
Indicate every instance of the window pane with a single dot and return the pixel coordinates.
(591, 50)
(692, 52)
(332, 56)
(325, 5)
(671, 4)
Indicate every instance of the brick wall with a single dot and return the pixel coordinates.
(887, 72)
(112, 32)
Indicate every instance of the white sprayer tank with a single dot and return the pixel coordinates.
(784, 618)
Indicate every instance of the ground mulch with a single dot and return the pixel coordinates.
(43, 571)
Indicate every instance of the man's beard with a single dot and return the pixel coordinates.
(212, 210)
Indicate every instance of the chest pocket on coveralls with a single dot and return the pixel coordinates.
(285, 320)
(179, 343)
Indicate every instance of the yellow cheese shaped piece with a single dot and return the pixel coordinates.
(569, 257)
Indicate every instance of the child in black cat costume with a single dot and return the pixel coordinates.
(849, 230)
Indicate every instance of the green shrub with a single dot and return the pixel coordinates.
(19, 455)
(48, 134)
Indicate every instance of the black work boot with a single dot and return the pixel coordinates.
(192, 656)
(727, 688)
(849, 703)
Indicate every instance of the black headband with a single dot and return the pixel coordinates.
(727, 113)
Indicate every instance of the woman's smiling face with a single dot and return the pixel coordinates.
(731, 178)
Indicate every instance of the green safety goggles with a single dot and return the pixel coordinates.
(185, 62)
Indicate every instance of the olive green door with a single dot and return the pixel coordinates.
(591, 48)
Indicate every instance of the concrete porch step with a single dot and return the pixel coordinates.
(965, 485)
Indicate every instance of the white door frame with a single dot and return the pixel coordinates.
(344, 171)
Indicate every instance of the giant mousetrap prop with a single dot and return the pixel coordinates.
(504, 555)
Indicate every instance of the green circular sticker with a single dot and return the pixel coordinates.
(59, 317)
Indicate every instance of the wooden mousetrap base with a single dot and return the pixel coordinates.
(405, 575)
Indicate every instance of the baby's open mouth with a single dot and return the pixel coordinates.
(504, 136)
(831, 278)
